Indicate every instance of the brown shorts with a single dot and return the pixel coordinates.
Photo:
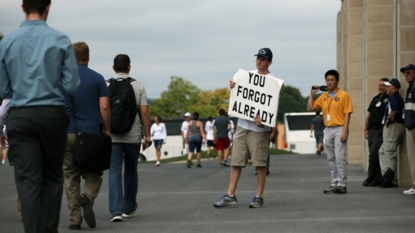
(248, 144)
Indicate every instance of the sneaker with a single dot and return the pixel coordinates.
(225, 163)
(129, 215)
(341, 190)
(189, 163)
(226, 200)
(158, 163)
(116, 218)
(220, 165)
(410, 191)
(199, 165)
(257, 202)
(330, 190)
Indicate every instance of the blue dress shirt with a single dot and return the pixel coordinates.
(37, 66)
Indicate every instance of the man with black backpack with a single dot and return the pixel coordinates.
(129, 107)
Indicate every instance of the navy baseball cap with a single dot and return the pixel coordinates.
(393, 82)
(265, 53)
(408, 67)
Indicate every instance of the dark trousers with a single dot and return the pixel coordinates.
(375, 142)
(37, 142)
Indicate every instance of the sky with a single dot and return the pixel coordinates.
(203, 41)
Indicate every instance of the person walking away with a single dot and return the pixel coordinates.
(209, 137)
(187, 117)
(373, 133)
(159, 133)
(336, 106)
(317, 124)
(196, 137)
(90, 106)
(4, 109)
(221, 128)
(37, 69)
(127, 98)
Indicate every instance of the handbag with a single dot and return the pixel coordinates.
(91, 151)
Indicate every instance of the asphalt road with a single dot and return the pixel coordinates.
(173, 198)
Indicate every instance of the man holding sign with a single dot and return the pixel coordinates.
(256, 106)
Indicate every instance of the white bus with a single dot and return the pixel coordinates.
(297, 132)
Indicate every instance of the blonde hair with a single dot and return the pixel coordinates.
(81, 51)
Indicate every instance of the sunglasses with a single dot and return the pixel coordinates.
(407, 72)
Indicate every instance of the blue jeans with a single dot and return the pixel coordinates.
(123, 202)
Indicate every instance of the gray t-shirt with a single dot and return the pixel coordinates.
(221, 124)
(318, 123)
(134, 135)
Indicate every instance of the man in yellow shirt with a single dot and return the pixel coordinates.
(336, 106)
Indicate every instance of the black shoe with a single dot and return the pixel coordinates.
(366, 182)
(75, 227)
(330, 190)
(375, 183)
(267, 172)
(88, 212)
(387, 179)
(341, 190)
(198, 165)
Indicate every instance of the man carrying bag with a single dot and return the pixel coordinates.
(87, 109)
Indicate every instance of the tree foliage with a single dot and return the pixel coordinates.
(290, 100)
(182, 96)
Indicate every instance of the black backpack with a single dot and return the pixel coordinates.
(123, 104)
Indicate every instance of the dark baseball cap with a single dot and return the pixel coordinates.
(393, 82)
(408, 67)
(265, 53)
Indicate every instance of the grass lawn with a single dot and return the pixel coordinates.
(272, 151)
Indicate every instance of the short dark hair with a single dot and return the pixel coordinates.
(384, 79)
(318, 113)
(195, 116)
(332, 72)
(222, 112)
(121, 63)
(35, 6)
(210, 118)
(158, 118)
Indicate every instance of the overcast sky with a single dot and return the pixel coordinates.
(203, 41)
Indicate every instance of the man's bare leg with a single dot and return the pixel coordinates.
(233, 181)
(261, 177)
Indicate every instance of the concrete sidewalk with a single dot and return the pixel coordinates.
(173, 198)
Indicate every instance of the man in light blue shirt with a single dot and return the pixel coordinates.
(37, 69)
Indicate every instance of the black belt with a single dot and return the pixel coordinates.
(392, 122)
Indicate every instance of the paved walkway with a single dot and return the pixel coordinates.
(173, 198)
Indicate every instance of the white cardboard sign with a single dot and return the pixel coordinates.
(255, 94)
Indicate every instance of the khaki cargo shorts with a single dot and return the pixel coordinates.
(248, 144)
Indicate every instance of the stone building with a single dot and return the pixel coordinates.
(374, 39)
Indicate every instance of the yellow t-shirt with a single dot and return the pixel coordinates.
(334, 108)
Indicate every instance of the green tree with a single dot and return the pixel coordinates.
(290, 100)
(212, 101)
(180, 97)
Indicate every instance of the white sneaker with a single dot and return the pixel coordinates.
(158, 163)
(410, 191)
